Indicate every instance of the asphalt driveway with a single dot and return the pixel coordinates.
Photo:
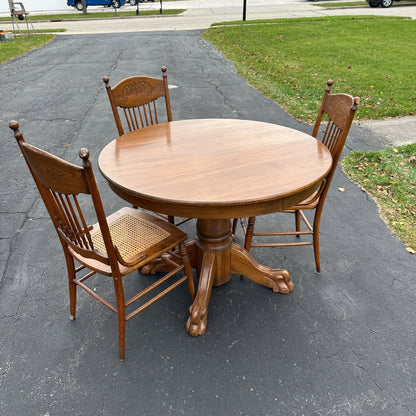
(343, 343)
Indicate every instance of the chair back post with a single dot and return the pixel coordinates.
(113, 105)
(167, 98)
(346, 128)
(337, 149)
(84, 154)
(321, 109)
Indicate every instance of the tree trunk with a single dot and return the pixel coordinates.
(84, 7)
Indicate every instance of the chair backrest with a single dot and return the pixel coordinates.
(60, 183)
(17, 9)
(136, 97)
(340, 110)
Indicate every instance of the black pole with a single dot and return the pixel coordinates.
(137, 7)
(244, 9)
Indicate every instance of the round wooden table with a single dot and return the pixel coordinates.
(215, 170)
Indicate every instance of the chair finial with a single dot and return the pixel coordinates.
(84, 154)
(329, 84)
(14, 125)
(163, 69)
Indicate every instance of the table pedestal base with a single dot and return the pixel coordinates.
(216, 257)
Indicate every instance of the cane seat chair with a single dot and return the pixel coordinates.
(115, 246)
(137, 101)
(339, 111)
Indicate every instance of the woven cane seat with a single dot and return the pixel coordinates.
(132, 235)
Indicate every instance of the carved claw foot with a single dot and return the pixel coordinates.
(244, 264)
(155, 266)
(282, 281)
(198, 312)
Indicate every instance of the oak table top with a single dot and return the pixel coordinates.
(215, 170)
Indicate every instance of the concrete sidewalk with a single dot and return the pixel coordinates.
(343, 343)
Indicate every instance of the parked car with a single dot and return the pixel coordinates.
(382, 3)
(106, 3)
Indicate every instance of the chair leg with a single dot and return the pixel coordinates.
(316, 250)
(188, 270)
(249, 233)
(234, 227)
(121, 315)
(121, 335)
(297, 220)
(316, 226)
(70, 265)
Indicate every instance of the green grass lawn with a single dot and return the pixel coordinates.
(389, 176)
(290, 60)
(22, 44)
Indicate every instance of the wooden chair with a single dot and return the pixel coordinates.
(115, 246)
(136, 98)
(19, 13)
(339, 109)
